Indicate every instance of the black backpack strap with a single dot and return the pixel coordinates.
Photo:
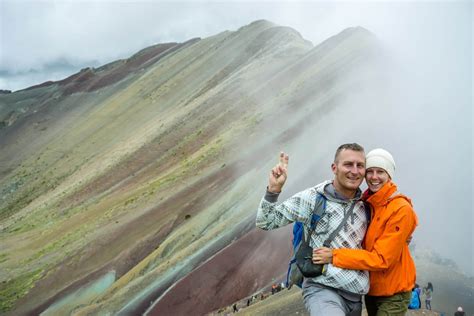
(318, 211)
(368, 212)
(334, 233)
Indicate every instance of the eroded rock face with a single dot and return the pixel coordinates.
(149, 167)
(242, 268)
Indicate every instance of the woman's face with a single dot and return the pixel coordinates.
(376, 178)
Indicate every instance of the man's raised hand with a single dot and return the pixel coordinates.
(278, 174)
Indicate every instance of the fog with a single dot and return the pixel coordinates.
(422, 113)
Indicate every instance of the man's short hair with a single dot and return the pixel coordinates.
(352, 146)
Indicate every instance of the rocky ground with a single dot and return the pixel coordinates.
(286, 302)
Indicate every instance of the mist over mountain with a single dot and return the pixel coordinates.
(132, 187)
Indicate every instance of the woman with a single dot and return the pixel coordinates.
(386, 254)
(428, 291)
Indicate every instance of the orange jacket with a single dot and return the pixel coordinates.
(386, 253)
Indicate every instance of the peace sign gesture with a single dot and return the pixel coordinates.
(278, 174)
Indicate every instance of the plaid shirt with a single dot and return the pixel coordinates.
(299, 207)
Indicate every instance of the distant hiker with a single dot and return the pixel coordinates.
(274, 288)
(235, 308)
(278, 288)
(418, 291)
(415, 301)
(459, 312)
(386, 254)
(337, 291)
(428, 291)
(248, 302)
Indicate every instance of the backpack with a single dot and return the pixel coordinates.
(414, 300)
(294, 275)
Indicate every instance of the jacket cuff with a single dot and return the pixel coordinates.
(335, 257)
(271, 196)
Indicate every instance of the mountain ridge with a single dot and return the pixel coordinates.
(140, 181)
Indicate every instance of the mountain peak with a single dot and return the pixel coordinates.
(260, 23)
(96, 167)
(357, 31)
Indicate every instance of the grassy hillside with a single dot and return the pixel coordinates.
(288, 302)
(119, 181)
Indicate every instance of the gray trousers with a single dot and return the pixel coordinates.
(321, 301)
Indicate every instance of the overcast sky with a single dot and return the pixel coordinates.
(48, 40)
(430, 41)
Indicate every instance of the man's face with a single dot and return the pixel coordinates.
(349, 169)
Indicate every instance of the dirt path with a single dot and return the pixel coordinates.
(288, 302)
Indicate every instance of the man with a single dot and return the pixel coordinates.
(338, 291)
(386, 254)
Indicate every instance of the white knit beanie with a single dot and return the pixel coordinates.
(382, 159)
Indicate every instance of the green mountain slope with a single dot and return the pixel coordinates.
(119, 181)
